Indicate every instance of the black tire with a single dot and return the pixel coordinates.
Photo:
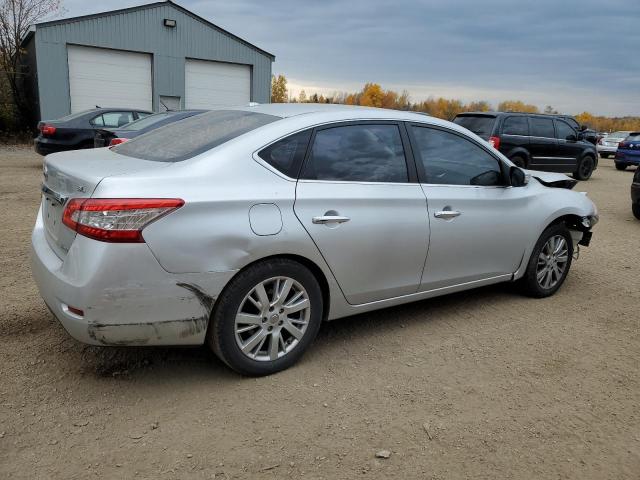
(529, 282)
(519, 161)
(621, 166)
(585, 168)
(221, 335)
(635, 208)
(604, 155)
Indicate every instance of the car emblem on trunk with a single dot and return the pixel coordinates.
(81, 188)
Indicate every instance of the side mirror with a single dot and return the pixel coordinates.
(583, 128)
(517, 177)
(572, 138)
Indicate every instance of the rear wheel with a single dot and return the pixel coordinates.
(620, 166)
(635, 207)
(266, 317)
(549, 263)
(604, 155)
(519, 161)
(585, 168)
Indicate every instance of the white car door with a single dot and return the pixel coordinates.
(478, 223)
(362, 206)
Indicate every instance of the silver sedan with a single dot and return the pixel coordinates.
(245, 228)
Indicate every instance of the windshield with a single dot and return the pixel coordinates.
(190, 137)
(145, 122)
(481, 125)
(75, 115)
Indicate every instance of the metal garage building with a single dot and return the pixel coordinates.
(153, 57)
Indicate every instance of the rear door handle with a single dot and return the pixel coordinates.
(329, 219)
(447, 214)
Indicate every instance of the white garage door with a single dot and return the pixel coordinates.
(211, 85)
(108, 78)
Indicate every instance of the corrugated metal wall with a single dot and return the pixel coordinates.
(142, 31)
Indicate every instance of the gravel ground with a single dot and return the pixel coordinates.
(483, 384)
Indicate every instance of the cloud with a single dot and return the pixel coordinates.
(574, 55)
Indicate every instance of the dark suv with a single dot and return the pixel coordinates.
(535, 141)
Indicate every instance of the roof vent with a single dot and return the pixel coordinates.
(169, 23)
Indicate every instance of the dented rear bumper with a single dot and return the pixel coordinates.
(125, 296)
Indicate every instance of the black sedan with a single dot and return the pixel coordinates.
(77, 130)
(106, 137)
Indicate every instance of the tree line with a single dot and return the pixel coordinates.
(373, 95)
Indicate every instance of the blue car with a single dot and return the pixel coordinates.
(628, 152)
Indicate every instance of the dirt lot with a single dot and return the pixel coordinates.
(484, 384)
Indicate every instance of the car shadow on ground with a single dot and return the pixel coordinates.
(149, 362)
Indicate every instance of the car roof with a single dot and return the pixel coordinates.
(495, 114)
(344, 112)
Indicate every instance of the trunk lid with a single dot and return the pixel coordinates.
(76, 174)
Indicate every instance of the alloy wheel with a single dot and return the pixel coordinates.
(552, 261)
(272, 319)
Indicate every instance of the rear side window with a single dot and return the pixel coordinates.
(195, 135)
(450, 159)
(357, 153)
(563, 130)
(481, 125)
(516, 126)
(542, 127)
(287, 155)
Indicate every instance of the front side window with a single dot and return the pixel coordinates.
(357, 153)
(516, 126)
(542, 127)
(563, 130)
(286, 155)
(450, 159)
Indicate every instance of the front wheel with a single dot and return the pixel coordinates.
(635, 208)
(549, 263)
(621, 166)
(585, 168)
(266, 317)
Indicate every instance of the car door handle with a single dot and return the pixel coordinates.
(447, 214)
(329, 219)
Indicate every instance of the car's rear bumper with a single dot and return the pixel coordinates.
(606, 149)
(45, 146)
(126, 297)
(627, 158)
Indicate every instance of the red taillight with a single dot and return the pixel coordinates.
(48, 130)
(621, 145)
(494, 142)
(601, 141)
(116, 219)
(117, 141)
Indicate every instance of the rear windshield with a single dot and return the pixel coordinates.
(146, 121)
(481, 125)
(186, 139)
(633, 136)
(620, 134)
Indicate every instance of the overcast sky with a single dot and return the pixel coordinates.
(573, 55)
